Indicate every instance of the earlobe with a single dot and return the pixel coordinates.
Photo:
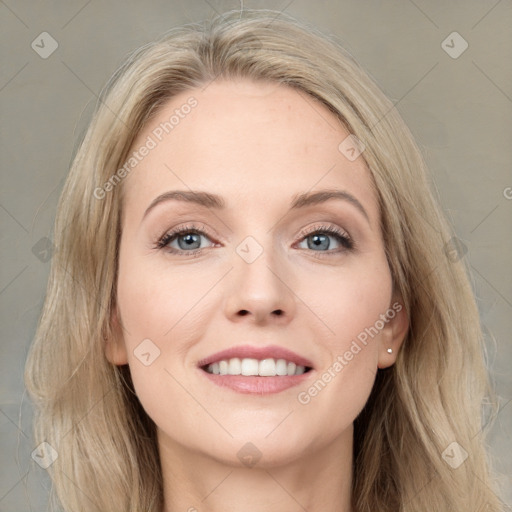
(114, 346)
(394, 334)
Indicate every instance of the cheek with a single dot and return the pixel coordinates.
(351, 300)
(156, 300)
(164, 311)
(351, 306)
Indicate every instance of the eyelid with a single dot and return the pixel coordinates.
(345, 240)
(163, 241)
(323, 228)
(172, 234)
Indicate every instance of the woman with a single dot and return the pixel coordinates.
(255, 303)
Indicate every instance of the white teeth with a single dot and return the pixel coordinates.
(267, 368)
(234, 366)
(281, 367)
(249, 366)
(223, 367)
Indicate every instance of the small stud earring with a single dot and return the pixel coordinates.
(390, 350)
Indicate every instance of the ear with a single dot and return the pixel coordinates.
(115, 349)
(393, 333)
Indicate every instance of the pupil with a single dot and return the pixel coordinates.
(321, 241)
(189, 240)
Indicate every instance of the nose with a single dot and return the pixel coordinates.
(260, 292)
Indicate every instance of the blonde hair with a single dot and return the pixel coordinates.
(431, 397)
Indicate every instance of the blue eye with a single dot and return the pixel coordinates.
(188, 240)
(320, 240)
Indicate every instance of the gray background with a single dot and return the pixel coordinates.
(460, 110)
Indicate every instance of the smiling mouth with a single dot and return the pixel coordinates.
(248, 367)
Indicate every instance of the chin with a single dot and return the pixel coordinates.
(258, 452)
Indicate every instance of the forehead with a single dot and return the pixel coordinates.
(251, 142)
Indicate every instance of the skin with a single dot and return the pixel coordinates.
(257, 145)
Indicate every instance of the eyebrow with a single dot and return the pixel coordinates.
(303, 200)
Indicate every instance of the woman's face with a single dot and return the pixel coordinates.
(264, 265)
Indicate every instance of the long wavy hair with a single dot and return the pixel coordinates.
(86, 407)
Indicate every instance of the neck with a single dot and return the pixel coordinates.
(320, 480)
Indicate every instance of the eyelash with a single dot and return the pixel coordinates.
(343, 238)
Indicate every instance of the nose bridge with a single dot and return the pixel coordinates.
(259, 287)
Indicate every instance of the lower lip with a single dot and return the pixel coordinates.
(256, 385)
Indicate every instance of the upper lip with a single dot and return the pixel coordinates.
(249, 351)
